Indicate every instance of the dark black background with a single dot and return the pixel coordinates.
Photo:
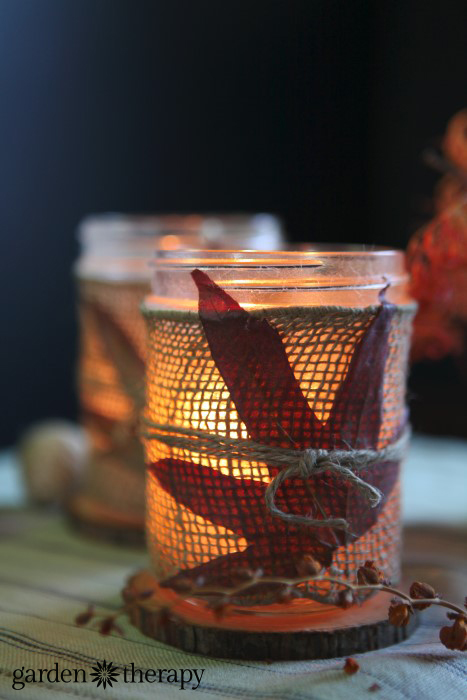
(316, 109)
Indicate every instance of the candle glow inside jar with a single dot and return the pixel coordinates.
(254, 361)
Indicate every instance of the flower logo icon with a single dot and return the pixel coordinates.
(105, 673)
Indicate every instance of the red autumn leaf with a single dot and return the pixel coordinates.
(236, 504)
(238, 340)
(239, 505)
(251, 358)
(355, 418)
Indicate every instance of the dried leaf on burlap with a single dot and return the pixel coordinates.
(121, 350)
(251, 358)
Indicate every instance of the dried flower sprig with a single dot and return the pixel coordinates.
(108, 623)
(369, 579)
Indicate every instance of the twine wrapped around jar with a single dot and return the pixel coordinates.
(274, 433)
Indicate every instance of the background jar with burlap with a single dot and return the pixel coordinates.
(113, 275)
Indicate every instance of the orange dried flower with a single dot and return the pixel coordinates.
(351, 666)
(455, 636)
(369, 574)
(455, 139)
(399, 614)
(448, 192)
(308, 566)
(422, 590)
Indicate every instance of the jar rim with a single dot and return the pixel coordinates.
(333, 275)
(273, 258)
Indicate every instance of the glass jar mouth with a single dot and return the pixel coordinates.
(140, 233)
(323, 273)
(120, 246)
(313, 256)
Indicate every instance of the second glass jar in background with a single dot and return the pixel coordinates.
(113, 274)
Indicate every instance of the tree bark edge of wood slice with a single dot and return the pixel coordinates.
(172, 629)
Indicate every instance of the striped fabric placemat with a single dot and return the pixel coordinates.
(48, 575)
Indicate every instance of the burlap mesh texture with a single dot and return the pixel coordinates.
(109, 392)
(184, 389)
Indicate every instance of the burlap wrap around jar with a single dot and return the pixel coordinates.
(275, 418)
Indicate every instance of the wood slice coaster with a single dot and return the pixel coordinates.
(95, 521)
(304, 631)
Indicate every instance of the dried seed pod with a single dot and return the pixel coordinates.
(455, 636)
(369, 574)
(399, 613)
(422, 590)
(351, 666)
(308, 566)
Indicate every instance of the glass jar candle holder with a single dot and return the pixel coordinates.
(113, 274)
(274, 427)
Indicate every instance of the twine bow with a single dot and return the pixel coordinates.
(301, 464)
(341, 463)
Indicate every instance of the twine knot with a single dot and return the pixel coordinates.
(342, 463)
(302, 464)
(312, 460)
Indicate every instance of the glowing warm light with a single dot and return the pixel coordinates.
(168, 533)
(185, 390)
